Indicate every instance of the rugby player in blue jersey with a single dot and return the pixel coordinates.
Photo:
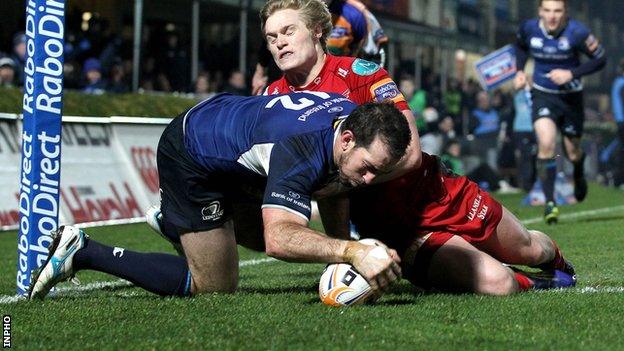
(227, 153)
(556, 43)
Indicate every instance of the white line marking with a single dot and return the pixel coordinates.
(579, 214)
(67, 290)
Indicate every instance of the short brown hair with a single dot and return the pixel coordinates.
(314, 13)
(565, 2)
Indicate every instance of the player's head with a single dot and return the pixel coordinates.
(553, 14)
(372, 140)
(295, 31)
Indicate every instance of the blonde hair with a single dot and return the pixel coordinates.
(314, 13)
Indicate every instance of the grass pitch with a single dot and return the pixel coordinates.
(277, 306)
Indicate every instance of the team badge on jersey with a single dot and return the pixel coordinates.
(386, 89)
(364, 68)
(564, 44)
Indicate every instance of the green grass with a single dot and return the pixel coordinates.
(277, 306)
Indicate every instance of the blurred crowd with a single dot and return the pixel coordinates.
(99, 61)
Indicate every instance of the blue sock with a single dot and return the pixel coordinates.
(162, 274)
(547, 172)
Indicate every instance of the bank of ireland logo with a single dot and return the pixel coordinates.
(212, 212)
(364, 68)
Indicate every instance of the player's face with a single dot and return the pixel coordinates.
(553, 14)
(292, 44)
(358, 166)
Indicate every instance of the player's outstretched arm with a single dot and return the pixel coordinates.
(288, 238)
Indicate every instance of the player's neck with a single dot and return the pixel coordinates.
(303, 76)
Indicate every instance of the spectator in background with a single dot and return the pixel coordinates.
(617, 101)
(7, 72)
(117, 83)
(19, 57)
(451, 157)
(485, 126)
(430, 138)
(452, 99)
(202, 89)
(524, 138)
(236, 84)
(174, 63)
(94, 84)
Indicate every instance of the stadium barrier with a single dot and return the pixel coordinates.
(108, 173)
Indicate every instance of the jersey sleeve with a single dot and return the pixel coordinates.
(587, 43)
(296, 168)
(369, 82)
(521, 47)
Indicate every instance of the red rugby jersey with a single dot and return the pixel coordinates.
(358, 80)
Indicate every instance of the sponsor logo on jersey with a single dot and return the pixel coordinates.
(564, 44)
(335, 109)
(550, 49)
(386, 89)
(342, 72)
(537, 43)
(544, 111)
(364, 68)
(212, 212)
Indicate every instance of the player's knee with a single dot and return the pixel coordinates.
(497, 282)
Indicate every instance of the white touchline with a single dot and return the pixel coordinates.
(7, 299)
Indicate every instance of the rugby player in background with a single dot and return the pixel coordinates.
(556, 42)
(453, 234)
(355, 32)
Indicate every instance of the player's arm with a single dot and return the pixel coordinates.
(522, 56)
(288, 238)
(592, 48)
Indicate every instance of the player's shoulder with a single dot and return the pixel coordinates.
(578, 29)
(530, 24)
(345, 65)
(279, 86)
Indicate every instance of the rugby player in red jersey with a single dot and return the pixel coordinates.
(452, 235)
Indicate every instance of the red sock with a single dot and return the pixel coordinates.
(524, 283)
(556, 263)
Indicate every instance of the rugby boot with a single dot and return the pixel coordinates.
(551, 213)
(59, 266)
(554, 279)
(153, 217)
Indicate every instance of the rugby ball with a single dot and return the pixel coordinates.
(342, 285)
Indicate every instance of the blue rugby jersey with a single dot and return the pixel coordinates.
(561, 51)
(286, 138)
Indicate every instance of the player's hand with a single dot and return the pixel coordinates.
(560, 76)
(379, 265)
(520, 80)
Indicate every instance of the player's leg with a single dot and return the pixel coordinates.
(457, 266)
(546, 165)
(575, 154)
(572, 130)
(212, 259)
(512, 243)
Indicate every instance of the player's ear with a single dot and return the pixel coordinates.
(347, 140)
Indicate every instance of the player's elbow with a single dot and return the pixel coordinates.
(274, 247)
